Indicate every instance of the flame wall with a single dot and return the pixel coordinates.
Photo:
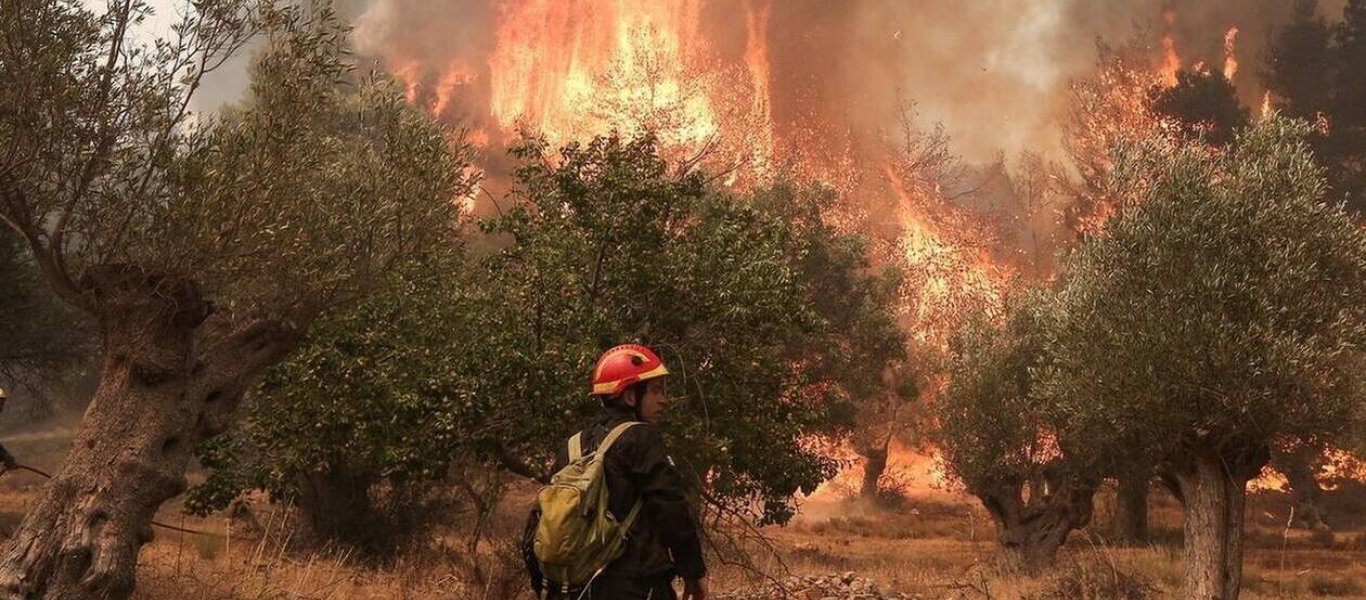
(994, 73)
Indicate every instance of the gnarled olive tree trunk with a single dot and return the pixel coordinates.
(172, 376)
(1214, 489)
(1030, 531)
(1131, 507)
(1298, 468)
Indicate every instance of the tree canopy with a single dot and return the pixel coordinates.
(1006, 445)
(1224, 302)
(1203, 104)
(1314, 69)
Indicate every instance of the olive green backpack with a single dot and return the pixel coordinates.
(577, 537)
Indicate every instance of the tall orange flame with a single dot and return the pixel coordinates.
(455, 76)
(757, 14)
(1171, 61)
(574, 70)
(1231, 53)
(410, 74)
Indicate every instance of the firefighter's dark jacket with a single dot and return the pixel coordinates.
(664, 538)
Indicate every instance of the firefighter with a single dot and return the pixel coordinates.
(7, 461)
(663, 544)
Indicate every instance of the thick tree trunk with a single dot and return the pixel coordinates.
(1297, 466)
(1031, 532)
(158, 396)
(874, 465)
(1131, 508)
(1031, 545)
(337, 505)
(1214, 488)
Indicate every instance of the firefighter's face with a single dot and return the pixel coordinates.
(653, 402)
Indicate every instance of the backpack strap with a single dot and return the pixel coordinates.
(576, 447)
(576, 441)
(602, 448)
(613, 435)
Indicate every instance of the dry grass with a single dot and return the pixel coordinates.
(935, 545)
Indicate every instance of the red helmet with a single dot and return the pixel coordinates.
(624, 365)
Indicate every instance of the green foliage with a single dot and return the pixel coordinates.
(1223, 308)
(609, 247)
(860, 360)
(1204, 104)
(323, 174)
(990, 427)
(372, 393)
(486, 358)
(328, 176)
(38, 332)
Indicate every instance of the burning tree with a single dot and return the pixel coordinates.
(202, 248)
(1221, 313)
(1113, 105)
(1007, 447)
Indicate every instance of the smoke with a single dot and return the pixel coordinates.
(995, 74)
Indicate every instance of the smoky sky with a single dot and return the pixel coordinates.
(995, 73)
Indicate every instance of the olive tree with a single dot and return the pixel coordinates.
(1222, 311)
(202, 247)
(1004, 445)
(369, 421)
(610, 246)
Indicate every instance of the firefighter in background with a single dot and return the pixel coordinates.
(7, 461)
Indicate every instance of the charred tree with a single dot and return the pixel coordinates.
(874, 466)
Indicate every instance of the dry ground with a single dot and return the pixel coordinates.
(936, 545)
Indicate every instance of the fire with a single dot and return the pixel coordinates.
(456, 75)
(1266, 104)
(948, 275)
(1171, 61)
(757, 63)
(409, 74)
(574, 70)
(1230, 53)
(909, 471)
